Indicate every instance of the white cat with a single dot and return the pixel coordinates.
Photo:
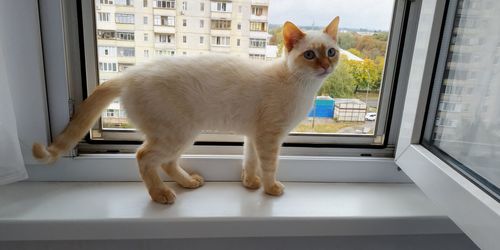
(171, 100)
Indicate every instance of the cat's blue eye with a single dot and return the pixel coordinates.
(332, 52)
(309, 55)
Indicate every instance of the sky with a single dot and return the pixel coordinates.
(369, 14)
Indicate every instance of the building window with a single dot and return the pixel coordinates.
(145, 20)
(258, 26)
(126, 51)
(106, 51)
(107, 67)
(202, 40)
(103, 16)
(239, 26)
(124, 18)
(257, 10)
(164, 38)
(124, 66)
(146, 53)
(184, 22)
(124, 2)
(145, 3)
(221, 24)
(123, 35)
(161, 52)
(237, 42)
(164, 4)
(164, 20)
(146, 37)
(257, 56)
(106, 34)
(202, 6)
(221, 6)
(106, 1)
(184, 39)
(184, 53)
(257, 43)
(184, 5)
(202, 23)
(221, 40)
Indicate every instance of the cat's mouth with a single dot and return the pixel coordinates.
(324, 73)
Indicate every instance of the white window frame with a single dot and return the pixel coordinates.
(104, 16)
(225, 7)
(323, 164)
(471, 208)
(382, 137)
(124, 18)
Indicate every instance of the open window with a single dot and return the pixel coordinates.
(450, 143)
(356, 112)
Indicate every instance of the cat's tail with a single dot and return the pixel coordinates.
(81, 122)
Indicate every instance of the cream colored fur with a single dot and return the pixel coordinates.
(173, 99)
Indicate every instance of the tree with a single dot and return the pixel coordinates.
(367, 73)
(356, 52)
(340, 84)
(346, 40)
(277, 39)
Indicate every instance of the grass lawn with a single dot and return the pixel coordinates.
(324, 127)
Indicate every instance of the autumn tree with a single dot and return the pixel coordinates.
(340, 84)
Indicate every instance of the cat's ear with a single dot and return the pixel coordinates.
(291, 35)
(333, 28)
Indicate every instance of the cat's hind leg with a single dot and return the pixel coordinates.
(179, 175)
(250, 172)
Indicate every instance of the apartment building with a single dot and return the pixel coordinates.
(129, 32)
(134, 31)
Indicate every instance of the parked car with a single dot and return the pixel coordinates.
(371, 116)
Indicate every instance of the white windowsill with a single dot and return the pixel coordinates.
(123, 210)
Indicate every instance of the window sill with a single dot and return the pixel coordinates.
(123, 210)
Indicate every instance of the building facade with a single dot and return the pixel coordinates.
(134, 31)
(130, 32)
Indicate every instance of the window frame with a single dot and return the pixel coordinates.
(381, 138)
(472, 209)
(346, 149)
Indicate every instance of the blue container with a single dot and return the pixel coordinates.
(323, 107)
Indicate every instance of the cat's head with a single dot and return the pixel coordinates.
(313, 53)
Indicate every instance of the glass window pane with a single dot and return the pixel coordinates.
(467, 123)
(346, 104)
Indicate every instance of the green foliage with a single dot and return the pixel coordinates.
(277, 39)
(340, 84)
(381, 36)
(346, 40)
(356, 52)
(367, 73)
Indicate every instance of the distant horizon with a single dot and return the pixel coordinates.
(364, 14)
(273, 25)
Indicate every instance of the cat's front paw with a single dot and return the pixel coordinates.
(250, 182)
(276, 189)
(196, 181)
(163, 196)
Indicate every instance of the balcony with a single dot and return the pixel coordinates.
(260, 2)
(259, 34)
(126, 59)
(261, 18)
(220, 32)
(220, 48)
(221, 15)
(159, 45)
(164, 29)
(260, 51)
